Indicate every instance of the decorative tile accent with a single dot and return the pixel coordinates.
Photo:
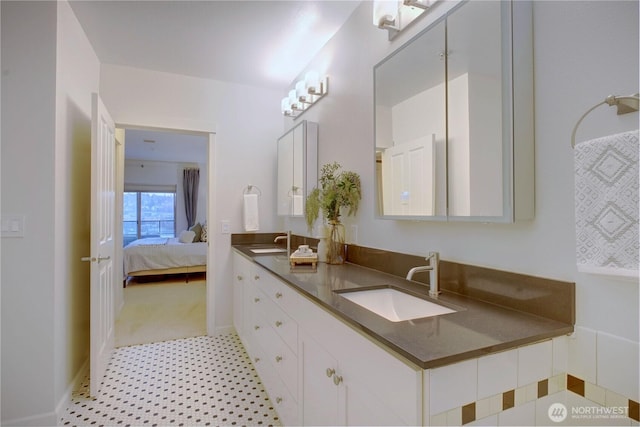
(575, 385)
(469, 413)
(517, 402)
(508, 399)
(634, 410)
(543, 388)
(193, 381)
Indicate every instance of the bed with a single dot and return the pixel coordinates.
(161, 256)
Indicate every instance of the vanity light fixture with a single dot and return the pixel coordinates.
(305, 94)
(396, 15)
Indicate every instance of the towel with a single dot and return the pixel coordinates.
(606, 204)
(251, 222)
(297, 205)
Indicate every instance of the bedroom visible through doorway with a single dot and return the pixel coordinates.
(163, 254)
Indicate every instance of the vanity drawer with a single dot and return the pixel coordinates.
(285, 326)
(282, 360)
(283, 401)
(280, 293)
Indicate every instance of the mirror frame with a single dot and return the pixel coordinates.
(517, 118)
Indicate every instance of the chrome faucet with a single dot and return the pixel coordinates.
(288, 237)
(434, 273)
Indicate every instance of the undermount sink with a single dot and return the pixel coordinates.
(395, 305)
(268, 250)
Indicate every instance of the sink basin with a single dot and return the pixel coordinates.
(268, 250)
(395, 305)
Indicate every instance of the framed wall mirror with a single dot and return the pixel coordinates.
(454, 118)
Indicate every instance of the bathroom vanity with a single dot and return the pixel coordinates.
(326, 360)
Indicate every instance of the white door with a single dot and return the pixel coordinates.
(102, 241)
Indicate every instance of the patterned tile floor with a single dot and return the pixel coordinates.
(187, 382)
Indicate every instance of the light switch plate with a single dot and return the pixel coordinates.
(225, 226)
(13, 225)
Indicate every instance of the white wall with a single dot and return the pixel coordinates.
(28, 98)
(576, 66)
(46, 123)
(247, 123)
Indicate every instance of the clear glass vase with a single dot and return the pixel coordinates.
(336, 251)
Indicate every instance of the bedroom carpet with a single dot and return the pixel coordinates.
(162, 311)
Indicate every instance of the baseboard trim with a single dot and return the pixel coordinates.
(224, 330)
(65, 401)
(47, 419)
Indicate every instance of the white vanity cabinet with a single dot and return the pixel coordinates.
(315, 368)
(270, 337)
(349, 380)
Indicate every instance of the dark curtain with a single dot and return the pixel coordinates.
(191, 179)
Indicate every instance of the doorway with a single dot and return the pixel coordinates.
(150, 167)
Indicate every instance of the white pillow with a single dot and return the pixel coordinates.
(187, 236)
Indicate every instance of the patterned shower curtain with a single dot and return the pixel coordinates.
(191, 180)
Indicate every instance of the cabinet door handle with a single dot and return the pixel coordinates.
(278, 358)
(256, 299)
(278, 400)
(256, 327)
(330, 372)
(239, 277)
(257, 359)
(278, 294)
(337, 379)
(256, 277)
(278, 323)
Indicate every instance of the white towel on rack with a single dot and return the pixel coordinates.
(296, 204)
(251, 217)
(606, 203)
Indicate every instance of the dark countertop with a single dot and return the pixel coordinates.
(478, 328)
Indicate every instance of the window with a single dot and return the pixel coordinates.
(148, 211)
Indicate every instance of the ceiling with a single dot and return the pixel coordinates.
(260, 43)
(165, 146)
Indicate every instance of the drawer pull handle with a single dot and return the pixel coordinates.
(278, 358)
(337, 379)
(330, 372)
(240, 277)
(278, 294)
(278, 400)
(256, 327)
(257, 359)
(278, 323)
(256, 277)
(256, 299)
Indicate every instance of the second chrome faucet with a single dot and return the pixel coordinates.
(288, 237)
(434, 273)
